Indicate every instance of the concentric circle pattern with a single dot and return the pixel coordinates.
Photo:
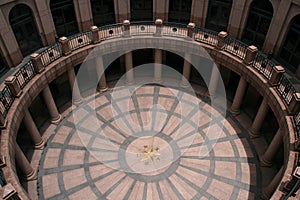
(150, 143)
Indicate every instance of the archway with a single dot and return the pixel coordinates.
(23, 25)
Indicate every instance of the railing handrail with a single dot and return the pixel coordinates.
(207, 36)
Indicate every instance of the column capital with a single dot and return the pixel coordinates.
(250, 54)
(221, 39)
(65, 46)
(95, 34)
(37, 63)
(13, 86)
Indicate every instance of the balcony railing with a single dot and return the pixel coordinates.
(235, 47)
(206, 36)
(25, 74)
(261, 62)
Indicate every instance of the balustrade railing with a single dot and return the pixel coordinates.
(286, 89)
(25, 74)
(111, 31)
(142, 28)
(263, 65)
(6, 100)
(235, 47)
(261, 62)
(174, 29)
(297, 124)
(80, 40)
(206, 36)
(51, 54)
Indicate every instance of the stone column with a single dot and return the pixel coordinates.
(186, 71)
(157, 65)
(259, 119)
(129, 66)
(54, 114)
(199, 12)
(34, 133)
(267, 158)
(83, 13)
(270, 189)
(28, 172)
(238, 97)
(76, 96)
(238, 18)
(102, 86)
(161, 9)
(47, 24)
(278, 27)
(122, 10)
(214, 79)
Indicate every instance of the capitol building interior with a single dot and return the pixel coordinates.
(150, 99)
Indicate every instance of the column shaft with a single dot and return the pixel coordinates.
(28, 172)
(273, 148)
(102, 86)
(129, 66)
(186, 70)
(76, 96)
(54, 114)
(259, 119)
(269, 190)
(157, 65)
(33, 131)
(238, 97)
(214, 79)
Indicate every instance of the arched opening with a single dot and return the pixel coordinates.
(103, 12)
(23, 25)
(180, 11)
(259, 19)
(63, 14)
(290, 52)
(218, 14)
(141, 10)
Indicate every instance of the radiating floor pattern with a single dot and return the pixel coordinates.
(151, 143)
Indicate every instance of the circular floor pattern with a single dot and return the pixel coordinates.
(157, 146)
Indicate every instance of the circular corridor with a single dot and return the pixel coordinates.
(153, 142)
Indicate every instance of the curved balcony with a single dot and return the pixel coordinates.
(267, 77)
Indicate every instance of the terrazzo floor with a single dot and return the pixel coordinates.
(151, 143)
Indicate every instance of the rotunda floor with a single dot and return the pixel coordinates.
(153, 143)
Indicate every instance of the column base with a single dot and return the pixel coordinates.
(253, 134)
(101, 90)
(77, 102)
(184, 84)
(32, 176)
(157, 81)
(264, 162)
(234, 112)
(57, 120)
(212, 96)
(41, 145)
(129, 82)
(265, 194)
